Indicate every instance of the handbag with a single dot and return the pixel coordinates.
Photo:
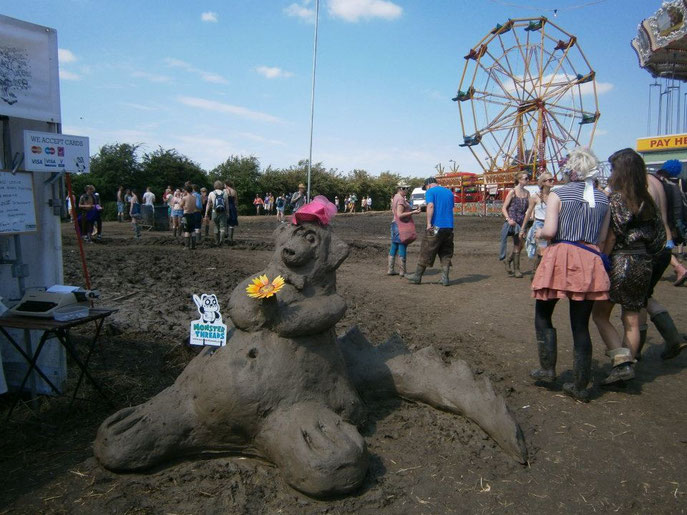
(406, 231)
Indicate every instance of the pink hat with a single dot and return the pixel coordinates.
(319, 210)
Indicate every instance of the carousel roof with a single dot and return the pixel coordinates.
(661, 42)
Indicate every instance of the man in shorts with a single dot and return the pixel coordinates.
(438, 238)
(189, 220)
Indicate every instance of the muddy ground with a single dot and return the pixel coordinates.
(624, 452)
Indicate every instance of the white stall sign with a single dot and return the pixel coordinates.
(50, 152)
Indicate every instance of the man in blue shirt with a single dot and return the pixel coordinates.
(438, 238)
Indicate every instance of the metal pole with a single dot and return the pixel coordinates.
(312, 93)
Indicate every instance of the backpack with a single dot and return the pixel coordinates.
(219, 205)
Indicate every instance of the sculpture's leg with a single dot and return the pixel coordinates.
(423, 376)
(139, 437)
(317, 452)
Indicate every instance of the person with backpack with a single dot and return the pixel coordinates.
(670, 170)
(232, 198)
(217, 206)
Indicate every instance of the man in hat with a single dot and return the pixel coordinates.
(671, 170)
(298, 198)
(438, 238)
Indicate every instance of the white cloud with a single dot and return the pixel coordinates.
(219, 107)
(214, 78)
(300, 11)
(152, 77)
(601, 87)
(273, 72)
(65, 56)
(355, 10)
(209, 16)
(260, 139)
(139, 107)
(67, 75)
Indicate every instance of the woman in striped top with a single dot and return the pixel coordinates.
(577, 219)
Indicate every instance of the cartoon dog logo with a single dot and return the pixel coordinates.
(208, 329)
(208, 307)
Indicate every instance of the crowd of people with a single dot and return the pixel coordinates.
(595, 247)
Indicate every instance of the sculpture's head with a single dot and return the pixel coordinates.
(308, 252)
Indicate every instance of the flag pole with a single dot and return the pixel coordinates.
(312, 93)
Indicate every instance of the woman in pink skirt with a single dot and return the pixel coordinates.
(577, 218)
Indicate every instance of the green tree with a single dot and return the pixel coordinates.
(112, 166)
(166, 167)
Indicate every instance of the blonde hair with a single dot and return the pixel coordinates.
(516, 176)
(543, 177)
(582, 161)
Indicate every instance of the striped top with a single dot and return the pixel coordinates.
(576, 220)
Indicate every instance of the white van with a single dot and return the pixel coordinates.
(417, 199)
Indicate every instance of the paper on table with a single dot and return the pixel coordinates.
(62, 288)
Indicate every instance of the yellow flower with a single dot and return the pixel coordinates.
(261, 288)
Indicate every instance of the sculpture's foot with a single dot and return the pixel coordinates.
(142, 436)
(317, 452)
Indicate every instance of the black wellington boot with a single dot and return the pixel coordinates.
(582, 368)
(548, 354)
(674, 343)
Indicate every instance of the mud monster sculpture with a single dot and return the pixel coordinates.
(284, 389)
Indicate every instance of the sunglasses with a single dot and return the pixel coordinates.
(548, 180)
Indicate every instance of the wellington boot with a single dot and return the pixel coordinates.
(416, 278)
(390, 268)
(402, 267)
(175, 232)
(207, 230)
(516, 266)
(217, 239)
(444, 276)
(193, 243)
(642, 341)
(187, 242)
(582, 369)
(548, 353)
(231, 235)
(221, 237)
(509, 264)
(674, 343)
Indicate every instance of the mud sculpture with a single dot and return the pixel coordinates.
(285, 390)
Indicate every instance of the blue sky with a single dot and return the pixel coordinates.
(219, 78)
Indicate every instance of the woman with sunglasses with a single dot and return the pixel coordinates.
(537, 209)
(400, 237)
(577, 218)
(514, 209)
(637, 234)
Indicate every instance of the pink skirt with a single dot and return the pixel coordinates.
(567, 271)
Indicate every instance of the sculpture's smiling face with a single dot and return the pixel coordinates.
(301, 247)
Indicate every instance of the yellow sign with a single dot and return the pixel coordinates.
(659, 143)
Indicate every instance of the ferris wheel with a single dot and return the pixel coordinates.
(527, 96)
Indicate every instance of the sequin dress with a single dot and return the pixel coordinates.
(636, 242)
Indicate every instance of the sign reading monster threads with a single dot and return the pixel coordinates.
(208, 329)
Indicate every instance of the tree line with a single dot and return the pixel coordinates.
(119, 164)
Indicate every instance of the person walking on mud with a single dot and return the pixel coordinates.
(232, 210)
(120, 204)
(135, 213)
(217, 207)
(514, 209)
(577, 218)
(189, 203)
(402, 230)
(537, 210)
(438, 238)
(298, 199)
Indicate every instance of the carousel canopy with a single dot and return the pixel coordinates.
(661, 42)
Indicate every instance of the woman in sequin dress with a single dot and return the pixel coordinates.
(637, 233)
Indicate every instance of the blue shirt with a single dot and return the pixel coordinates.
(199, 200)
(442, 199)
